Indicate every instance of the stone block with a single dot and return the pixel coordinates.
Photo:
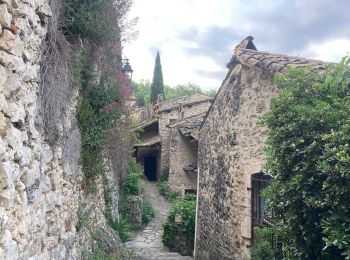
(18, 47)
(135, 212)
(15, 3)
(5, 16)
(11, 62)
(7, 198)
(6, 175)
(2, 149)
(14, 138)
(10, 246)
(15, 110)
(4, 124)
(3, 78)
(33, 173)
(7, 40)
(13, 83)
(24, 156)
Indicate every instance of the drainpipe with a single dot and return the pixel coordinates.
(196, 225)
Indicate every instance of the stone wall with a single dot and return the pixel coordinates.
(40, 181)
(172, 115)
(230, 151)
(183, 153)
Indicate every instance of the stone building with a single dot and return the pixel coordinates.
(230, 154)
(154, 150)
(184, 154)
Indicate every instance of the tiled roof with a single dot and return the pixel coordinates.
(271, 62)
(190, 127)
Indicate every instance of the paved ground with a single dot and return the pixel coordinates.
(147, 244)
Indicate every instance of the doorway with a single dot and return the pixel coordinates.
(150, 168)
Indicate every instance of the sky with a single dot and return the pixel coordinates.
(196, 38)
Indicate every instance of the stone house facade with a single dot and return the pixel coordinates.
(231, 156)
(154, 149)
(184, 154)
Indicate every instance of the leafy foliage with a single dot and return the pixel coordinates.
(94, 121)
(157, 86)
(308, 150)
(142, 91)
(165, 191)
(98, 20)
(268, 243)
(123, 227)
(147, 212)
(132, 184)
(179, 237)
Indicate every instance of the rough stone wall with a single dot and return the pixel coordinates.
(183, 153)
(230, 151)
(39, 181)
(172, 115)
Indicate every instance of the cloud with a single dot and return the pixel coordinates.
(290, 26)
(196, 38)
(215, 42)
(279, 26)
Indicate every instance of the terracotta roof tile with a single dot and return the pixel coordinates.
(271, 61)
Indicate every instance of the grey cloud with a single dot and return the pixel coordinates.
(290, 25)
(215, 42)
(282, 26)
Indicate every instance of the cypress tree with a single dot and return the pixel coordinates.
(157, 86)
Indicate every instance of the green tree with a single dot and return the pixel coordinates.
(181, 90)
(308, 149)
(157, 86)
(142, 91)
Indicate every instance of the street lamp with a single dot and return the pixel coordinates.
(127, 70)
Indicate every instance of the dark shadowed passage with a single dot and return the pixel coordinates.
(150, 167)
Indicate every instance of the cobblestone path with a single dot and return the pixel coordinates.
(147, 244)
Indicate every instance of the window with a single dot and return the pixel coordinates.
(260, 217)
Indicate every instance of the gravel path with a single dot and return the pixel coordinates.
(147, 244)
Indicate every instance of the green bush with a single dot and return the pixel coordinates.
(94, 19)
(147, 212)
(267, 244)
(179, 237)
(309, 157)
(132, 184)
(123, 227)
(165, 192)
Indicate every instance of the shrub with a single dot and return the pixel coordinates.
(267, 244)
(309, 157)
(95, 19)
(179, 237)
(147, 212)
(165, 192)
(132, 183)
(123, 227)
